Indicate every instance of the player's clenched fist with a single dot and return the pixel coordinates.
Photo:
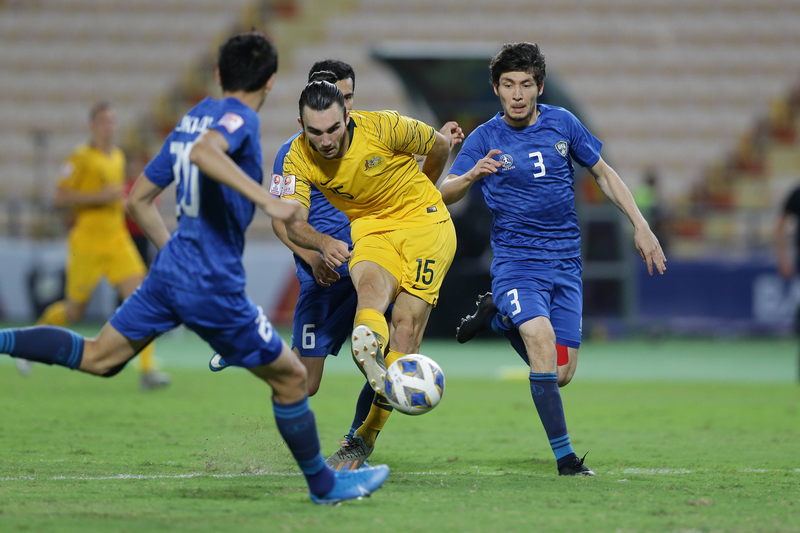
(335, 252)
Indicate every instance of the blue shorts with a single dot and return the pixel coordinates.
(525, 289)
(323, 317)
(231, 323)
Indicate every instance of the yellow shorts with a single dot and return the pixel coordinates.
(418, 258)
(117, 263)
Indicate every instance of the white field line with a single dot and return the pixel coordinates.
(628, 471)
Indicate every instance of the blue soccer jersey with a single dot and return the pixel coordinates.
(532, 196)
(322, 216)
(205, 253)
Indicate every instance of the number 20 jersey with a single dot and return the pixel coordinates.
(532, 195)
(205, 253)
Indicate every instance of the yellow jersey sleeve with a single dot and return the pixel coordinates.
(71, 171)
(297, 174)
(403, 134)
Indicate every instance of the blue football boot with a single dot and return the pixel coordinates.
(217, 363)
(352, 484)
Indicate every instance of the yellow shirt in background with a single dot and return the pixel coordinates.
(377, 183)
(89, 170)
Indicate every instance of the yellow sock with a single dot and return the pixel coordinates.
(377, 417)
(146, 362)
(379, 412)
(375, 321)
(54, 315)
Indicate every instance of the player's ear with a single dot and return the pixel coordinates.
(346, 118)
(300, 121)
(217, 76)
(268, 86)
(541, 89)
(494, 86)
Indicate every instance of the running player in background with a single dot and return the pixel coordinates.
(99, 245)
(197, 279)
(403, 238)
(521, 160)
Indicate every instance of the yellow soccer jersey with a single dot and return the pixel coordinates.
(89, 170)
(377, 183)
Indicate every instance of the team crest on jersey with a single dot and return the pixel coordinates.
(508, 162)
(288, 185)
(562, 148)
(276, 185)
(373, 163)
(67, 169)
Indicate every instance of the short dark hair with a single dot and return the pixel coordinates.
(98, 108)
(519, 57)
(341, 69)
(319, 96)
(246, 62)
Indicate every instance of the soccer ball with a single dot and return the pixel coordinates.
(414, 384)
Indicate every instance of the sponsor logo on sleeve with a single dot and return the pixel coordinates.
(276, 185)
(288, 185)
(231, 122)
(562, 148)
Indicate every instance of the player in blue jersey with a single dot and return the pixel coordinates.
(197, 279)
(522, 162)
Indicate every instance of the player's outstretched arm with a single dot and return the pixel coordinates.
(436, 159)
(210, 155)
(323, 273)
(65, 197)
(455, 187)
(644, 239)
(142, 207)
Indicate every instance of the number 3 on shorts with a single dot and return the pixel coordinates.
(514, 301)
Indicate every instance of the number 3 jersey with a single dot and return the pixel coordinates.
(532, 196)
(377, 183)
(205, 252)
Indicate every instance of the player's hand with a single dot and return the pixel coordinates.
(286, 211)
(452, 133)
(786, 269)
(324, 275)
(335, 252)
(650, 249)
(485, 166)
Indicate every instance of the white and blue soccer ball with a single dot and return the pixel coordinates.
(414, 384)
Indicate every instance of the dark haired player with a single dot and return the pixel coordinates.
(402, 235)
(197, 278)
(521, 160)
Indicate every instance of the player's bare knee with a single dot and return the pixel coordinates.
(564, 377)
(95, 361)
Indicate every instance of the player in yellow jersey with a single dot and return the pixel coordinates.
(99, 245)
(403, 238)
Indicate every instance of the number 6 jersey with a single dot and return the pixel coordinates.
(205, 253)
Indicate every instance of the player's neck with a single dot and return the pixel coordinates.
(253, 100)
(103, 146)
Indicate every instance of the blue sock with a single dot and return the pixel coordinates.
(544, 389)
(501, 327)
(298, 428)
(363, 405)
(50, 345)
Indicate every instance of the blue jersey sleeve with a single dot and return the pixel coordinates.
(277, 167)
(159, 170)
(473, 150)
(236, 128)
(583, 146)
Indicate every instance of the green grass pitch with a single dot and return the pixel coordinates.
(687, 435)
